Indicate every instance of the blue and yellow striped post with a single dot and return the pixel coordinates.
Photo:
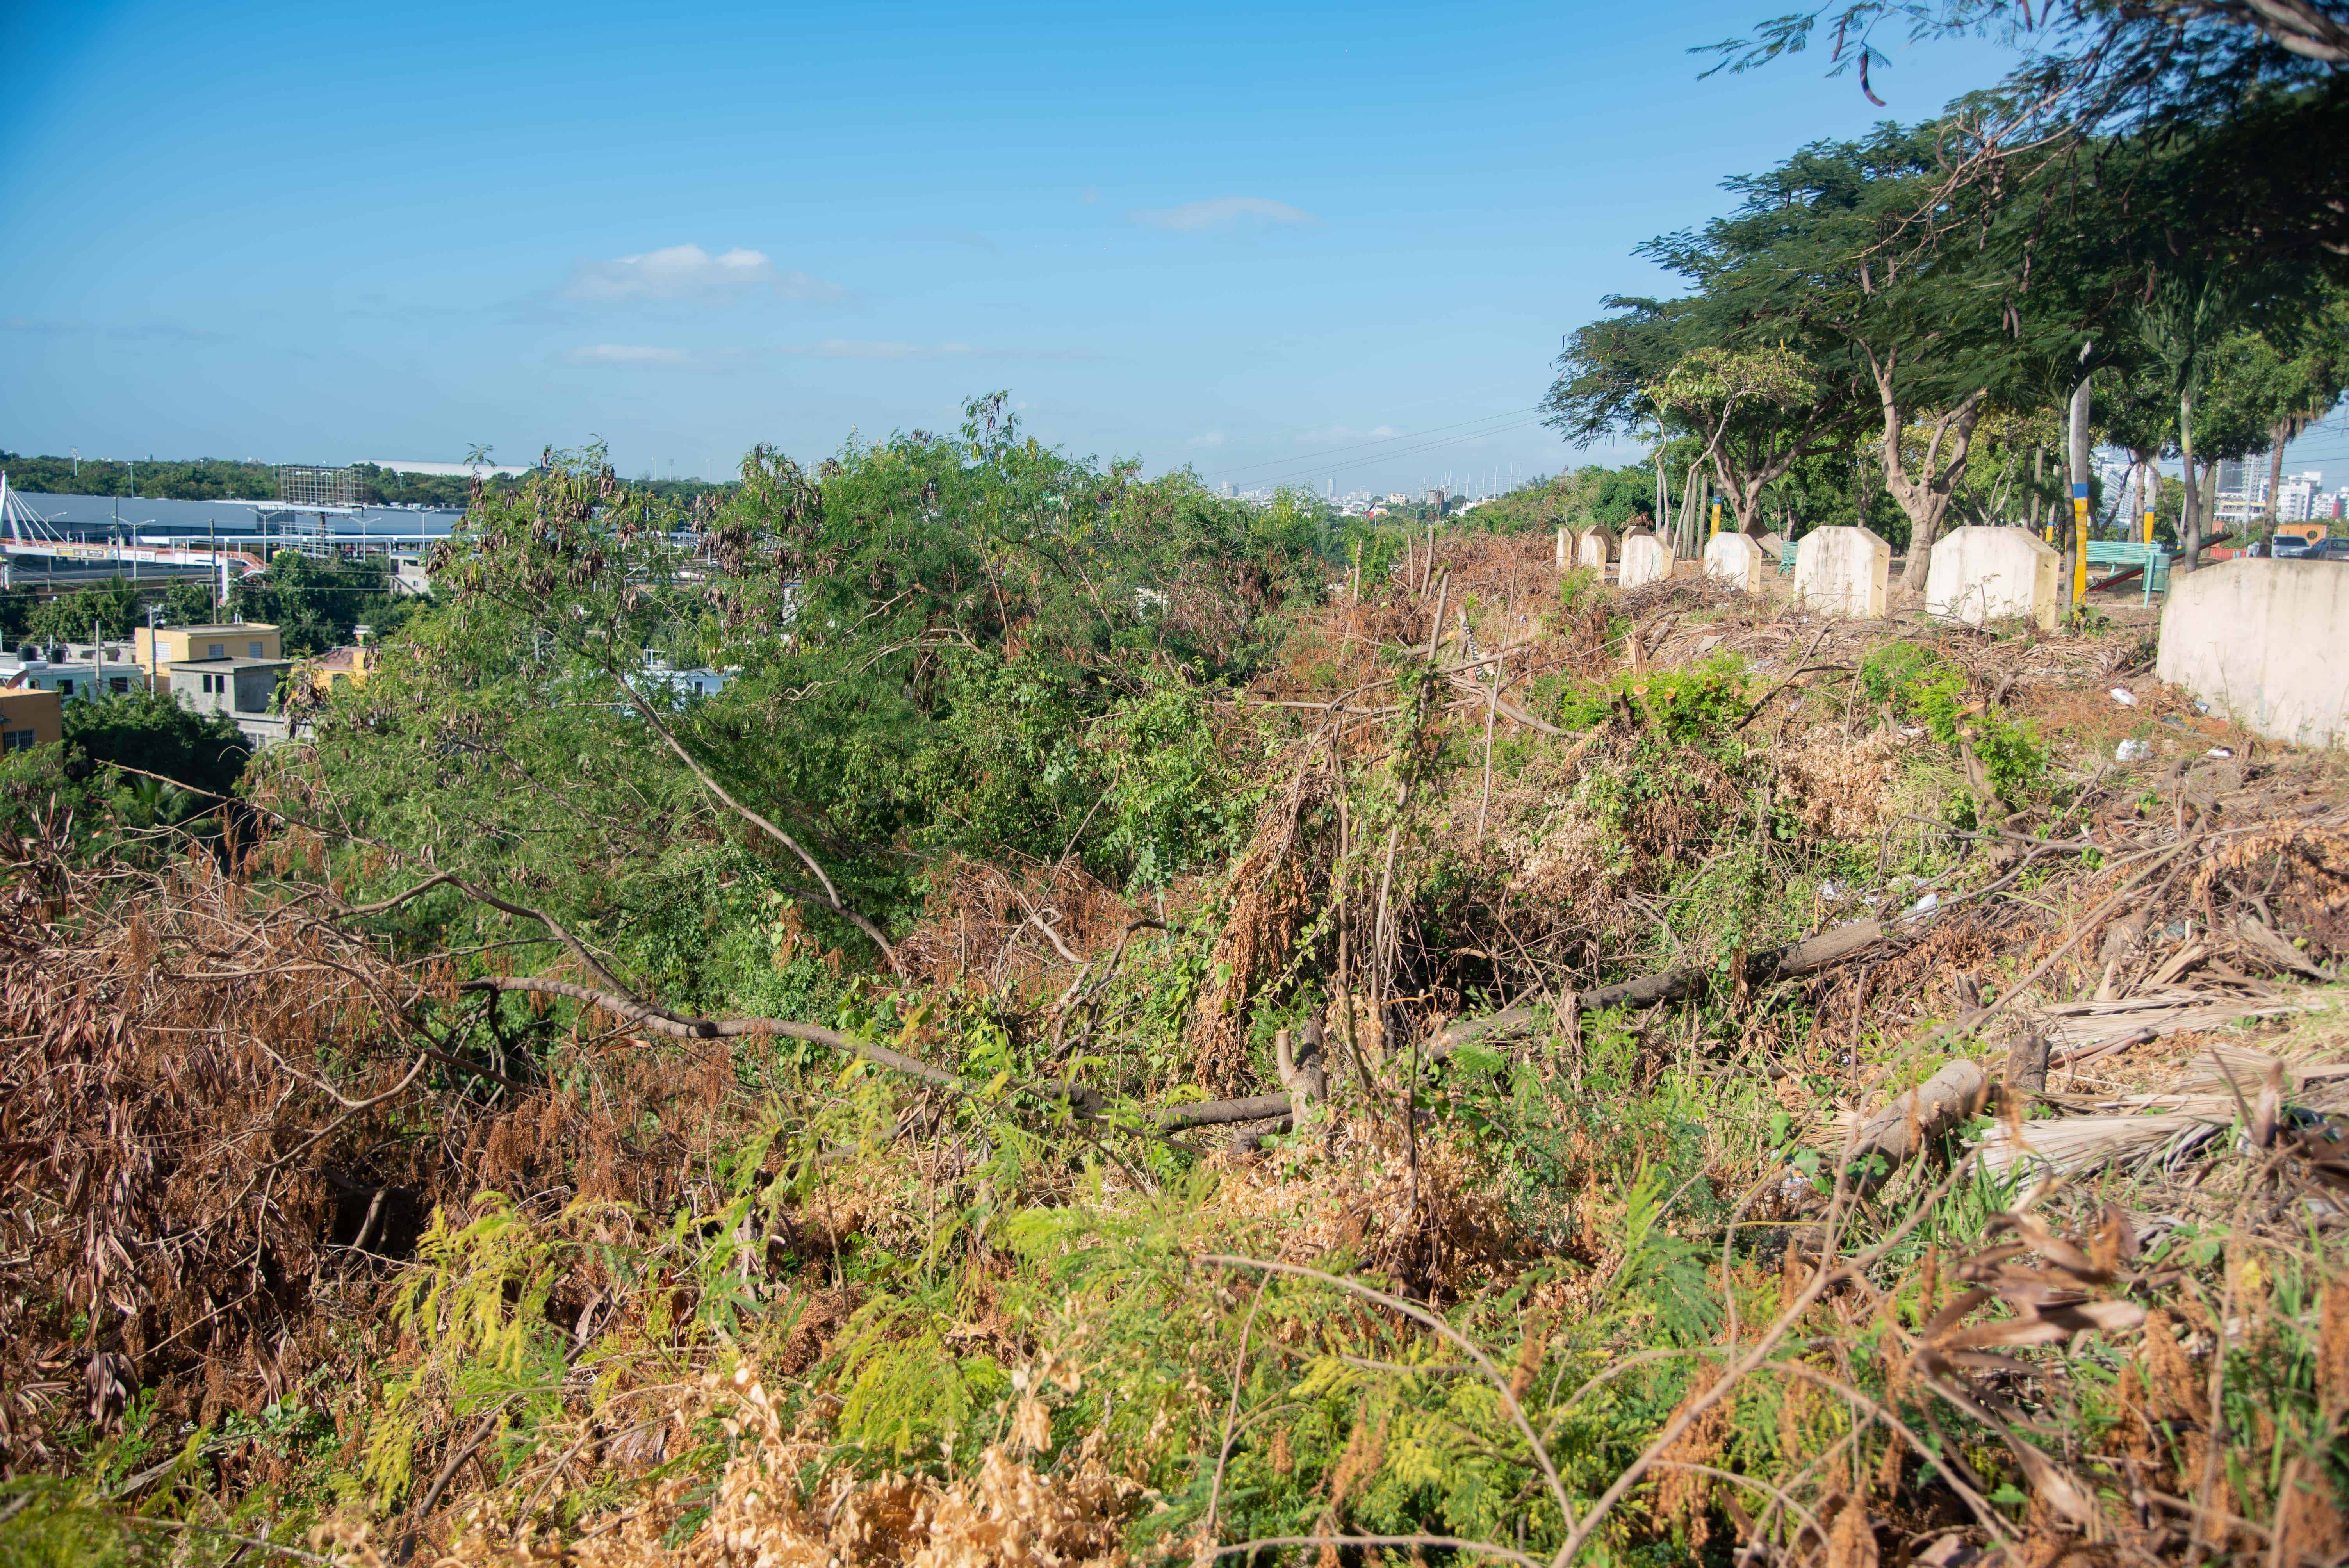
(1716, 516)
(2079, 542)
(2148, 525)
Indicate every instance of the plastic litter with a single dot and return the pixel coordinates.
(2133, 750)
(2123, 696)
(2221, 752)
(1931, 901)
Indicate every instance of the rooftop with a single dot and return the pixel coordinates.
(230, 665)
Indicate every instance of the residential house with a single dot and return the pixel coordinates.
(245, 689)
(29, 717)
(353, 664)
(160, 649)
(77, 670)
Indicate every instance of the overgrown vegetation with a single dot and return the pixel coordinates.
(1099, 1045)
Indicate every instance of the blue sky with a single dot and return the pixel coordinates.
(1265, 241)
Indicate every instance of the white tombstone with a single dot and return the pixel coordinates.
(1565, 550)
(1844, 572)
(1595, 549)
(2261, 642)
(1738, 561)
(1980, 574)
(1645, 560)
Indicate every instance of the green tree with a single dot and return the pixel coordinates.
(110, 608)
(149, 731)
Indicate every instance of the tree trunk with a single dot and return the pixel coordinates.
(1924, 495)
(2277, 436)
(2190, 522)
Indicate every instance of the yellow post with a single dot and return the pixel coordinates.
(2148, 525)
(2079, 543)
(1716, 514)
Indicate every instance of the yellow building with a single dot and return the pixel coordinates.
(30, 718)
(157, 648)
(348, 663)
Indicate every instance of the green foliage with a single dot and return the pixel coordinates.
(110, 608)
(1663, 1271)
(1696, 706)
(149, 731)
(48, 1523)
(1918, 684)
(314, 605)
(908, 1391)
(1175, 798)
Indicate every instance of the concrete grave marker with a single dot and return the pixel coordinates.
(1980, 574)
(1843, 571)
(1565, 550)
(1738, 561)
(1595, 549)
(2261, 642)
(1645, 560)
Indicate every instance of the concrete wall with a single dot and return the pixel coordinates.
(1645, 560)
(1843, 571)
(1596, 548)
(1734, 559)
(1980, 574)
(2263, 642)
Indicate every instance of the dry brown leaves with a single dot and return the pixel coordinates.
(765, 1514)
(1272, 888)
(209, 1140)
(985, 922)
(1439, 1228)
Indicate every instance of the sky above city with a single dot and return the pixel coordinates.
(1308, 244)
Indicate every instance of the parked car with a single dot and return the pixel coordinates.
(2330, 550)
(2284, 548)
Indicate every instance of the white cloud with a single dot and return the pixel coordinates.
(1211, 439)
(1341, 435)
(627, 354)
(844, 348)
(850, 348)
(691, 274)
(1220, 213)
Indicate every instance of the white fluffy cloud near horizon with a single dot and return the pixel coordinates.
(850, 348)
(628, 354)
(1343, 435)
(1221, 213)
(691, 275)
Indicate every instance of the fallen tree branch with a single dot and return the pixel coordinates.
(1827, 949)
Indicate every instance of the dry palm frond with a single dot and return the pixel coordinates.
(2079, 1142)
(2076, 1027)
